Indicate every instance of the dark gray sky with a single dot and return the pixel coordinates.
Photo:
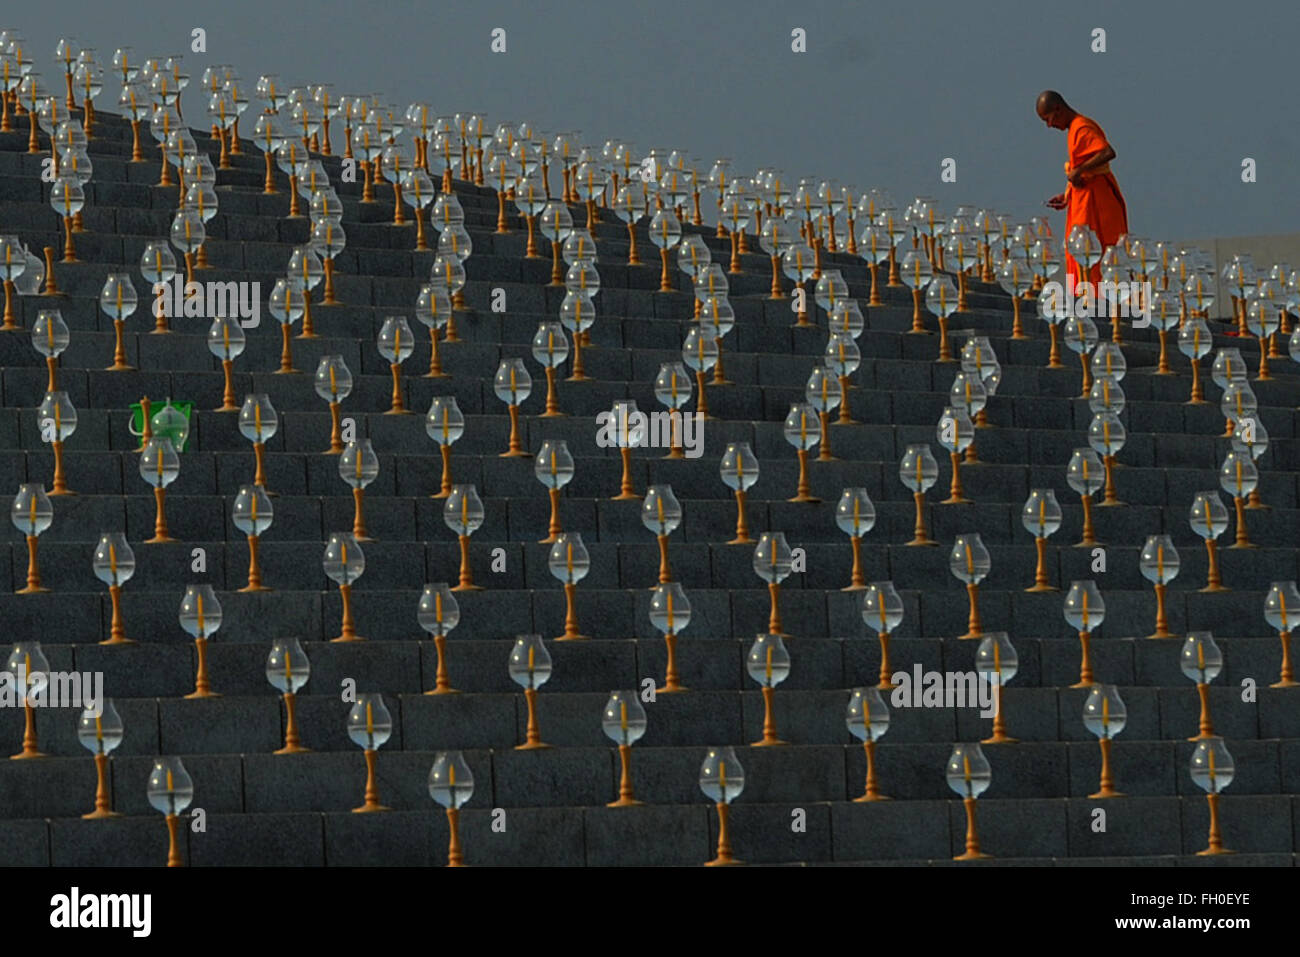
(884, 92)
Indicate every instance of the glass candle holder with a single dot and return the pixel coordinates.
(855, 514)
(739, 470)
(969, 775)
(1239, 477)
(1201, 661)
(624, 722)
(823, 393)
(200, 617)
(1084, 611)
(57, 419)
(670, 612)
(334, 384)
(451, 784)
(1212, 770)
(1041, 517)
(553, 467)
(955, 432)
(578, 315)
(1085, 474)
(118, 301)
(258, 422)
(550, 349)
(918, 470)
(463, 514)
(557, 224)
(773, 564)
(114, 564)
(996, 661)
(100, 731)
(396, 343)
(867, 719)
(969, 396)
(661, 513)
(700, 353)
(629, 431)
(226, 341)
(1104, 715)
(969, 562)
(439, 613)
(358, 467)
(305, 270)
(800, 430)
(1195, 342)
(768, 664)
(170, 791)
(433, 309)
(370, 725)
(344, 563)
(941, 298)
(30, 672)
(1106, 396)
(1081, 338)
(569, 562)
(722, 779)
(1209, 519)
(50, 337)
(513, 385)
(444, 423)
(159, 466)
(842, 357)
(917, 271)
(1282, 611)
(252, 514)
(288, 670)
(1159, 564)
(530, 668)
(717, 318)
(882, 611)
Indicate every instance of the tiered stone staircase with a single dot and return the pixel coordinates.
(295, 809)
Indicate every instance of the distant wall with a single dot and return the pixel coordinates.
(1265, 250)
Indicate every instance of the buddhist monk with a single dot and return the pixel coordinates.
(1093, 195)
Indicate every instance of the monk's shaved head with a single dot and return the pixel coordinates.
(1050, 100)
(1053, 110)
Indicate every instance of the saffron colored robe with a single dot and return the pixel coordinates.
(1098, 202)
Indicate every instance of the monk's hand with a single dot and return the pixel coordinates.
(1057, 201)
(1074, 176)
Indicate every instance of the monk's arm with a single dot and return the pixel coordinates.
(1095, 161)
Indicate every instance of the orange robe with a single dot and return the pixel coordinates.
(1098, 202)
